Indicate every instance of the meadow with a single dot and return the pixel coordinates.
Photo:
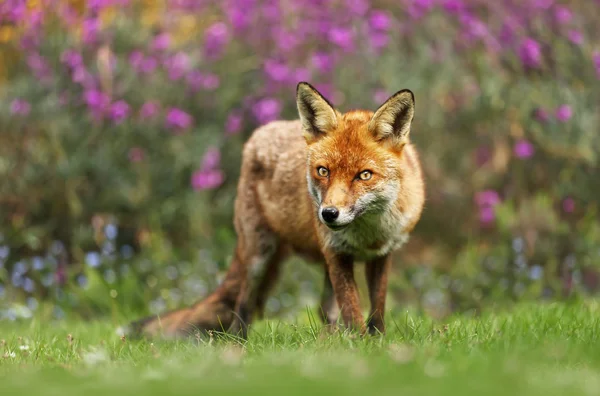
(533, 349)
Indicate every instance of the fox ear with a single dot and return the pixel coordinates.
(393, 118)
(317, 115)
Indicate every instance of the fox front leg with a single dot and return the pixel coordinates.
(341, 273)
(377, 278)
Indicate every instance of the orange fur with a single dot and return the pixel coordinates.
(280, 197)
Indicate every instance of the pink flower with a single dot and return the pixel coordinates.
(380, 20)
(178, 119)
(149, 109)
(20, 107)
(136, 58)
(568, 205)
(487, 215)
(161, 42)
(211, 159)
(342, 37)
(197, 80)
(71, 58)
(322, 62)
(177, 65)
(596, 62)
(564, 113)
(562, 14)
(530, 53)
(119, 111)
(575, 36)
(207, 180)
(523, 149)
(276, 71)
(487, 198)
(216, 37)
(266, 110)
(233, 125)
(90, 29)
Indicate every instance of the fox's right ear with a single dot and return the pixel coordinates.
(317, 115)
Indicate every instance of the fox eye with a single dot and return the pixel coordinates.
(322, 171)
(365, 175)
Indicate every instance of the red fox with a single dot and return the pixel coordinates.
(335, 188)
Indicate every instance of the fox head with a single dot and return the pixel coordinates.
(354, 166)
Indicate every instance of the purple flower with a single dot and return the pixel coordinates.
(562, 14)
(487, 215)
(276, 71)
(211, 159)
(136, 58)
(211, 82)
(233, 125)
(119, 111)
(322, 62)
(177, 65)
(71, 58)
(417, 8)
(136, 154)
(161, 42)
(523, 149)
(216, 37)
(238, 18)
(357, 7)
(207, 180)
(286, 41)
(98, 5)
(39, 66)
(90, 29)
(596, 62)
(541, 115)
(301, 74)
(178, 119)
(197, 80)
(542, 4)
(266, 110)
(20, 107)
(564, 113)
(575, 36)
(487, 198)
(82, 76)
(568, 205)
(149, 109)
(97, 101)
(342, 37)
(454, 6)
(530, 53)
(148, 65)
(380, 96)
(379, 40)
(486, 201)
(380, 20)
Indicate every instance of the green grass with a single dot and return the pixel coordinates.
(532, 350)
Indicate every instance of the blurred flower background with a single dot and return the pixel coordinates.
(122, 122)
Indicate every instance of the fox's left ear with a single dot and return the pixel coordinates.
(393, 118)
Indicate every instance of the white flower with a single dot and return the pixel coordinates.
(24, 347)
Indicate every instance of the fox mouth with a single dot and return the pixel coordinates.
(335, 227)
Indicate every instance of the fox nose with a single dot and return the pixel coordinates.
(330, 214)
